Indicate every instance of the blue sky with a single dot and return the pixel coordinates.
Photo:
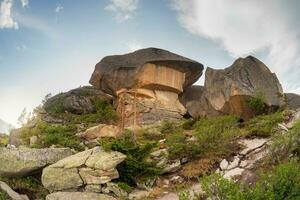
(51, 46)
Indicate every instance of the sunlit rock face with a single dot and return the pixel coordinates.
(227, 91)
(147, 83)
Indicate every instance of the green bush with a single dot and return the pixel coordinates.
(282, 182)
(214, 136)
(264, 125)
(49, 134)
(188, 124)
(257, 103)
(285, 146)
(168, 127)
(134, 165)
(31, 186)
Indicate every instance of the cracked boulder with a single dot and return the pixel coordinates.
(88, 168)
(146, 83)
(229, 91)
(20, 162)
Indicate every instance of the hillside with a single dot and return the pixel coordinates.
(144, 131)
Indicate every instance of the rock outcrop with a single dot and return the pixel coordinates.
(100, 131)
(227, 91)
(21, 162)
(77, 101)
(146, 83)
(91, 168)
(293, 101)
(78, 196)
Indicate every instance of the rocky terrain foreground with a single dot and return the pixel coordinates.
(144, 131)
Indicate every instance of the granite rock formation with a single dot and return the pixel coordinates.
(146, 83)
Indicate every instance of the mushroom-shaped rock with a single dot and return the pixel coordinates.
(146, 68)
(231, 90)
(147, 83)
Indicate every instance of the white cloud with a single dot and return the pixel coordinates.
(247, 27)
(134, 45)
(6, 19)
(22, 47)
(59, 9)
(25, 3)
(123, 9)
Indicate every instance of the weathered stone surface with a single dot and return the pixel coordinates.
(97, 177)
(21, 162)
(227, 91)
(115, 189)
(147, 83)
(114, 73)
(58, 179)
(293, 100)
(102, 130)
(160, 157)
(138, 195)
(224, 164)
(233, 173)
(78, 196)
(90, 167)
(77, 101)
(93, 188)
(252, 144)
(193, 99)
(12, 194)
(105, 160)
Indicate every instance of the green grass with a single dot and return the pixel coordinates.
(4, 196)
(257, 103)
(48, 134)
(134, 165)
(213, 135)
(31, 186)
(264, 125)
(280, 183)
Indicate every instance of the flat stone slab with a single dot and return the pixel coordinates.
(252, 144)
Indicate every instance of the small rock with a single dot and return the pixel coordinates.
(176, 180)
(33, 140)
(233, 173)
(138, 195)
(252, 144)
(114, 188)
(224, 164)
(234, 163)
(12, 194)
(93, 188)
(78, 196)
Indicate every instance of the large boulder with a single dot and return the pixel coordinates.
(78, 196)
(77, 101)
(146, 83)
(100, 131)
(228, 91)
(293, 101)
(25, 161)
(88, 168)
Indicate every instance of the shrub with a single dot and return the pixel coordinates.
(257, 103)
(31, 186)
(188, 124)
(285, 146)
(3, 196)
(134, 165)
(168, 127)
(49, 134)
(264, 125)
(282, 182)
(212, 136)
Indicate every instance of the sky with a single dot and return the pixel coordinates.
(52, 46)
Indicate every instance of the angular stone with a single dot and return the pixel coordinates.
(138, 195)
(102, 130)
(12, 194)
(97, 177)
(252, 144)
(234, 163)
(105, 160)
(93, 188)
(78, 196)
(58, 179)
(224, 164)
(115, 189)
(233, 173)
(21, 162)
(73, 161)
